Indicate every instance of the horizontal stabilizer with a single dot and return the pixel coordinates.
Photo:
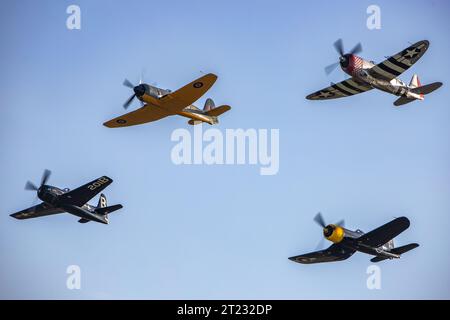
(218, 111)
(429, 88)
(378, 259)
(107, 210)
(406, 248)
(403, 100)
(399, 250)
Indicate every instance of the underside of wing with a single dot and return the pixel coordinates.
(40, 210)
(80, 196)
(187, 95)
(342, 89)
(394, 66)
(378, 237)
(335, 252)
(143, 115)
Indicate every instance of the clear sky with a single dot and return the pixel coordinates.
(213, 232)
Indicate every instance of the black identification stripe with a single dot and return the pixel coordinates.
(348, 85)
(398, 63)
(389, 70)
(342, 90)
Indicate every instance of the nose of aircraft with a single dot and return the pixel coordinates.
(328, 231)
(139, 90)
(344, 60)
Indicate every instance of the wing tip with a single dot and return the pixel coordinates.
(110, 124)
(106, 177)
(403, 219)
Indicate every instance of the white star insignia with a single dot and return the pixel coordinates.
(412, 53)
(325, 94)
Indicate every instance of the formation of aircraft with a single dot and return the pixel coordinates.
(160, 103)
(366, 75)
(157, 103)
(378, 242)
(55, 200)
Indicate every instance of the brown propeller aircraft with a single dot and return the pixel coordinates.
(160, 103)
(378, 242)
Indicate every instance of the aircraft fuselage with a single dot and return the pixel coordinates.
(51, 196)
(349, 239)
(151, 94)
(358, 68)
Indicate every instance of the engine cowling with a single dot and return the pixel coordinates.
(334, 233)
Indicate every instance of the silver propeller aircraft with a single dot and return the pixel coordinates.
(57, 200)
(159, 103)
(366, 75)
(378, 242)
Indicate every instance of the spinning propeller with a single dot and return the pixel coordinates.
(327, 229)
(343, 57)
(139, 91)
(45, 176)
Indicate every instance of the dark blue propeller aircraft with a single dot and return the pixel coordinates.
(378, 242)
(57, 200)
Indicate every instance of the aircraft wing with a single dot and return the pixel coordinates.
(378, 237)
(345, 88)
(187, 95)
(335, 252)
(399, 63)
(40, 210)
(143, 115)
(80, 196)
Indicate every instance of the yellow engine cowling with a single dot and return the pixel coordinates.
(334, 233)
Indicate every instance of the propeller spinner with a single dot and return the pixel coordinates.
(139, 91)
(328, 229)
(343, 57)
(45, 176)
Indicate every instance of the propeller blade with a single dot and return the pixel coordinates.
(320, 245)
(141, 79)
(128, 84)
(341, 223)
(31, 186)
(128, 102)
(357, 49)
(319, 220)
(339, 46)
(45, 176)
(329, 69)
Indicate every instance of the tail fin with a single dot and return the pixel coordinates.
(415, 82)
(389, 245)
(209, 105)
(102, 203)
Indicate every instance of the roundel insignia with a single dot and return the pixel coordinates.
(198, 85)
(121, 121)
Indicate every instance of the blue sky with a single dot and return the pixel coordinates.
(213, 232)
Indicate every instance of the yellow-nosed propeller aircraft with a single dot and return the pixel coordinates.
(378, 242)
(160, 103)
